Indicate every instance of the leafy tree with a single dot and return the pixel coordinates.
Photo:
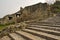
(56, 7)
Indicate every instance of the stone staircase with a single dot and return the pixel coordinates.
(48, 29)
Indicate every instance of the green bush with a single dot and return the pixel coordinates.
(56, 7)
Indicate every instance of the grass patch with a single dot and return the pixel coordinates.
(2, 26)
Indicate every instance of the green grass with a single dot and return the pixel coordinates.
(4, 26)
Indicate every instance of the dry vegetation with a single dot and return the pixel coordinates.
(13, 28)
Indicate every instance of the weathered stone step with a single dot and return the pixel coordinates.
(5, 38)
(40, 23)
(32, 37)
(56, 26)
(51, 25)
(46, 27)
(52, 19)
(43, 34)
(57, 33)
(16, 37)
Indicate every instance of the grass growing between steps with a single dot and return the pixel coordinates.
(12, 28)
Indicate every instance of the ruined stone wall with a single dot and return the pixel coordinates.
(35, 11)
(40, 10)
(6, 19)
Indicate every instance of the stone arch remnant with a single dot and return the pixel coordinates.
(10, 18)
(18, 14)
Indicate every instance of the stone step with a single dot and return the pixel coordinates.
(41, 23)
(38, 22)
(43, 34)
(32, 37)
(51, 25)
(45, 22)
(52, 19)
(57, 33)
(16, 37)
(43, 26)
(5, 38)
(46, 27)
(55, 25)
